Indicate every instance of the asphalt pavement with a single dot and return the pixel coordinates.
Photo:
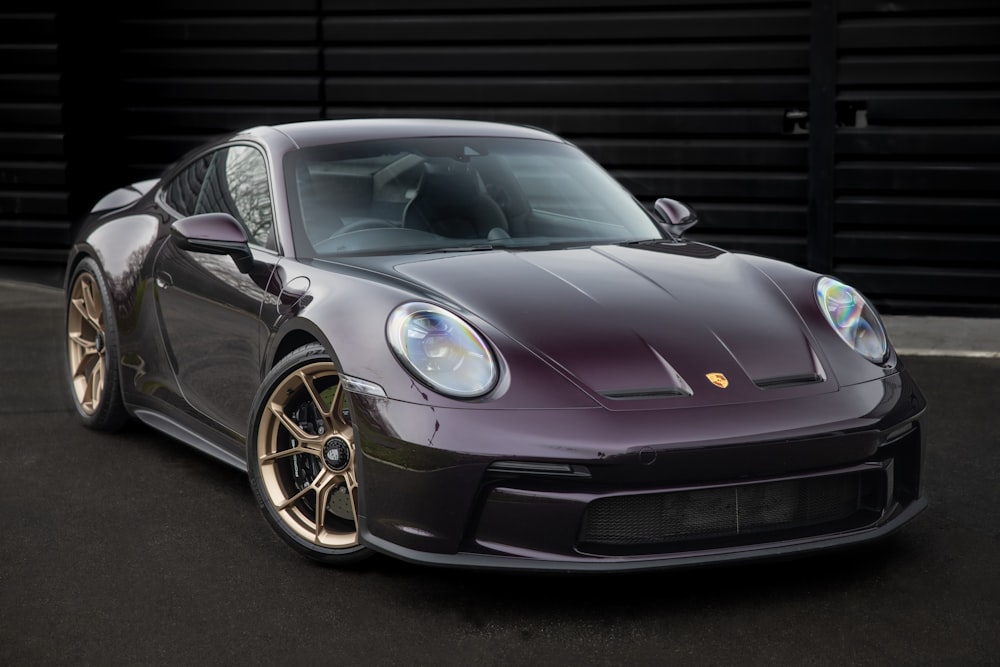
(132, 549)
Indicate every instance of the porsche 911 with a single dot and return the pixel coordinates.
(466, 344)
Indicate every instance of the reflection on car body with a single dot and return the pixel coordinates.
(466, 344)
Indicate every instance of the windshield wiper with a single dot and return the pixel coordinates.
(461, 248)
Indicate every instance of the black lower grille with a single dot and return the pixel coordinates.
(658, 518)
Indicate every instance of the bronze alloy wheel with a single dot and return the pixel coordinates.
(302, 460)
(85, 327)
(92, 349)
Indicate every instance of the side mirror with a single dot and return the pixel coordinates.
(215, 234)
(676, 218)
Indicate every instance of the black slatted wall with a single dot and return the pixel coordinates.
(193, 69)
(674, 97)
(917, 209)
(706, 101)
(34, 190)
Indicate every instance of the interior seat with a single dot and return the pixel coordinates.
(451, 201)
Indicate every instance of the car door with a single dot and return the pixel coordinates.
(210, 311)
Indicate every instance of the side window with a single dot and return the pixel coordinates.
(236, 183)
(182, 193)
(246, 175)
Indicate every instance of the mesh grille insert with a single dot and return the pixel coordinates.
(720, 512)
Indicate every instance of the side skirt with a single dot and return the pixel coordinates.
(168, 426)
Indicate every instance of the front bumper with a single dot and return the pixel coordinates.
(639, 489)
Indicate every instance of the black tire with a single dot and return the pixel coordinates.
(92, 371)
(301, 458)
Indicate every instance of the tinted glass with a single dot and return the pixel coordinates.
(431, 193)
(231, 180)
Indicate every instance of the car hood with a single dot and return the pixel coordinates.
(638, 323)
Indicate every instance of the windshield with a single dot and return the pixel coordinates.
(453, 194)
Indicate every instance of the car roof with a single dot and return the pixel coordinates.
(319, 132)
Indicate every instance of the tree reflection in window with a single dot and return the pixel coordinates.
(236, 183)
(246, 176)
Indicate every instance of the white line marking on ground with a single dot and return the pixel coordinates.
(934, 352)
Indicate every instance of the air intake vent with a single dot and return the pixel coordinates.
(728, 511)
(788, 381)
(641, 394)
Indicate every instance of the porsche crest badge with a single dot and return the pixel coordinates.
(718, 379)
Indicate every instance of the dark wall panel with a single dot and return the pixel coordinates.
(193, 70)
(889, 180)
(918, 155)
(33, 180)
(676, 99)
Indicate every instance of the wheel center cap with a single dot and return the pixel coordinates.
(336, 454)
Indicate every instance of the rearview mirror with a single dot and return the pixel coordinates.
(676, 218)
(215, 234)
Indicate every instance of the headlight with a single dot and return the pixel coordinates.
(441, 350)
(853, 319)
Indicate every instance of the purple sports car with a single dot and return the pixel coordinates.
(466, 344)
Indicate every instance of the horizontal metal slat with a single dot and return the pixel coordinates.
(26, 58)
(30, 204)
(33, 25)
(496, 6)
(30, 117)
(212, 119)
(923, 106)
(922, 282)
(923, 70)
(904, 7)
(294, 60)
(256, 30)
(961, 215)
(891, 33)
(698, 153)
(31, 145)
(299, 89)
(927, 178)
(592, 27)
(963, 142)
(30, 88)
(575, 58)
(168, 7)
(728, 91)
(17, 175)
(938, 248)
(719, 185)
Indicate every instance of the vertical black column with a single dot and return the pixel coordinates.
(93, 107)
(822, 129)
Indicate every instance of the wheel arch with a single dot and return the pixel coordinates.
(293, 335)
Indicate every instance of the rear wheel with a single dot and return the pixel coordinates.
(92, 349)
(301, 458)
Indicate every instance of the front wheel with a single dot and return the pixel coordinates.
(301, 458)
(92, 349)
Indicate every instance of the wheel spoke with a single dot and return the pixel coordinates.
(322, 499)
(307, 382)
(93, 305)
(278, 411)
(81, 307)
(289, 502)
(285, 453)
(335, 412)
